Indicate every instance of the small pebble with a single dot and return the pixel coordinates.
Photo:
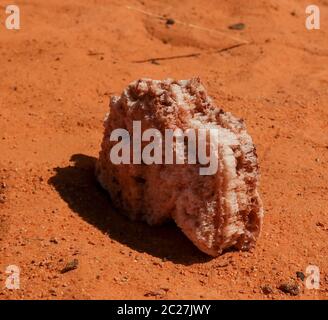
(54, 240)
(266, 289)
(237, 26)
(158, 293)
(170, 21)
(70, 266)
(300, 275)
(291, 288)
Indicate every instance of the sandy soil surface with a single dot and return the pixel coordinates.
(56, 76)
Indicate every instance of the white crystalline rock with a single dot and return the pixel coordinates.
(215, 212)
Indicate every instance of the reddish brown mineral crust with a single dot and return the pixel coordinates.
(215, 212)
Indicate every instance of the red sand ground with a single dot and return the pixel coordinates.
(56, 75)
